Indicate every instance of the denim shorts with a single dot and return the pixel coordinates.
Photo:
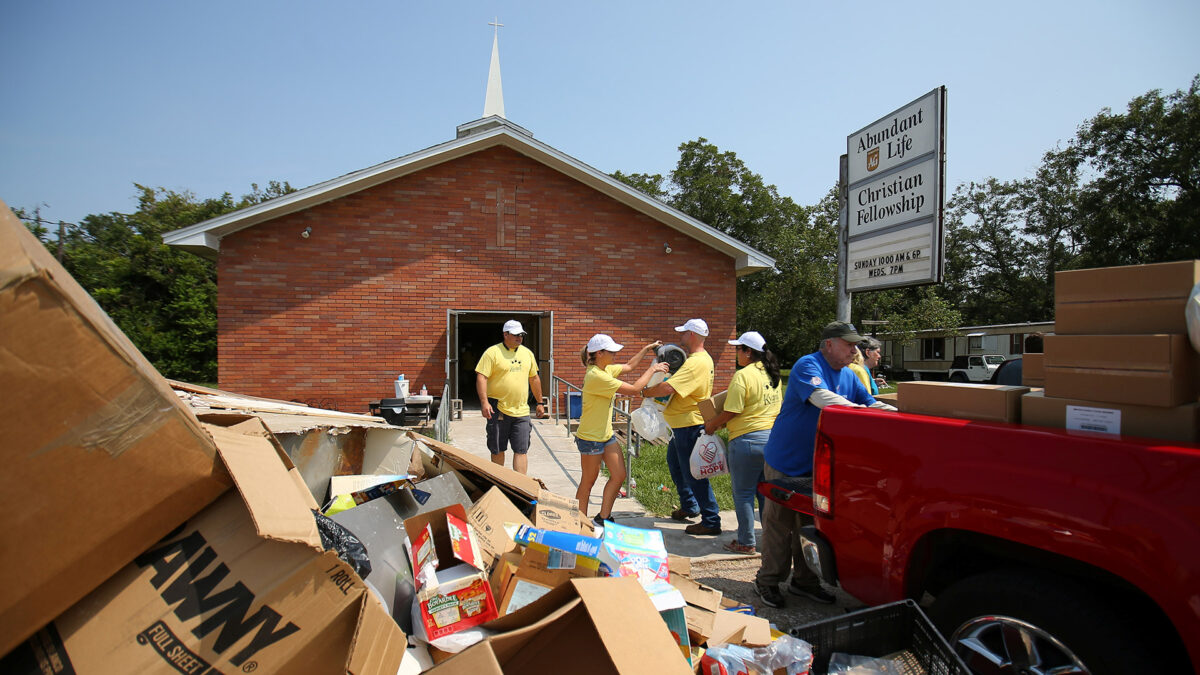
(592, 447)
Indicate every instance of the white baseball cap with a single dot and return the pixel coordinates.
(697, 326)
(750, 339)
(513, 327)
(600, 341)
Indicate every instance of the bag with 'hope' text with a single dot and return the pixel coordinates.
(708, 457)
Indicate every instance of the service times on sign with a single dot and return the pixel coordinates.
(896, 176)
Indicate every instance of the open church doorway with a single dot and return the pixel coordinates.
(469, 333)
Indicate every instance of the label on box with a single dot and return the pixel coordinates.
(1103, 420)
(558, 559)
(524, 593)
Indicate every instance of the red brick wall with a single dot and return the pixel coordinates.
(334, 317)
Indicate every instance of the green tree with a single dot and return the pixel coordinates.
(164, 299)
(790, 303)
(1142, 201)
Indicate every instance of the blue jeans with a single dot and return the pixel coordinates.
(694, 495)
(746, 470)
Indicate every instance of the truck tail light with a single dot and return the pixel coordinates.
(822, 489)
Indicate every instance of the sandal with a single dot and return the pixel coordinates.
(735, 547)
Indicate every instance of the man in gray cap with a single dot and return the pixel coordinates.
(816, 380)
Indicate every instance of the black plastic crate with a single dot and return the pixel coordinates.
(899, 630)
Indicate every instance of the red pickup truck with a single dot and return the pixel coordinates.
(1034, 550)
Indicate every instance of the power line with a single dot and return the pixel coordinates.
(43, 221)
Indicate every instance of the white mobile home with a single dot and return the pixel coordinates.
(930, 353)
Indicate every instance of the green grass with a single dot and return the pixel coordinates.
(650, 471)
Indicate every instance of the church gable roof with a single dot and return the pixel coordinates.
(204, 238)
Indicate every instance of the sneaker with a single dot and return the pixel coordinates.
(770, 595)
(701, 528)
(601, 522)
(814, 593)
(735, 547)
(681, 515)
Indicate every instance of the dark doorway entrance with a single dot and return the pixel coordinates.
(469, 334)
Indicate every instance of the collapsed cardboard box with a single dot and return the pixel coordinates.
(983, 402)
(586, 627)
(1135, 299)
(488, 516)
(538, 570)
(521, 488)
(1179, 423)
(100, 458)
(244, 586)
(1134, 369)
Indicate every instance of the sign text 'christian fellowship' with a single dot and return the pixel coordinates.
(896, 172)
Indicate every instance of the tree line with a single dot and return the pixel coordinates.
(1122, 191)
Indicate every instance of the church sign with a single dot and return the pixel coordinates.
(896, 177)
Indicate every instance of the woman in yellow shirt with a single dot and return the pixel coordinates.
(595, 438)
(751, 406)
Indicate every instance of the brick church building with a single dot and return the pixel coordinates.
(412, 266)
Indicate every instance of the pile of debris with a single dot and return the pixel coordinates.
(175, 529)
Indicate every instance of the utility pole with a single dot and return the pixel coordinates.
(843, 296)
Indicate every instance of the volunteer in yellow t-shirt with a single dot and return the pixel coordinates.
(751, 406)
(504, 376)
(689, 385)
(595, 438)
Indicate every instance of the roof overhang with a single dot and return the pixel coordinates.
(204, 238)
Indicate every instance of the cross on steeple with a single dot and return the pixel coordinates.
(493, 102)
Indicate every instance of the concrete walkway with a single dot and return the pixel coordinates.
(554, 459)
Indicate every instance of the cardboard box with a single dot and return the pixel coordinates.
(892, 398)
(711, 407)
(477, 470)
(100, 457)
(453, 591)
(633, 552)
(503, 571)
(488, 516)
(540, 571)
(244, 586)
(1180, 423)
(555, 512)
(1033, 373)
(1157, 370)
(586, 627)
(983, 402)
(1136, 299)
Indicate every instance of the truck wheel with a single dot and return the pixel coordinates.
(1016, 622)
(958, 377)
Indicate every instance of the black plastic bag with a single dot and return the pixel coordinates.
(335, 537)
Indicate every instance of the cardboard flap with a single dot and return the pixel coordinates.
(278, 509)
(478, 659)
(488, 515)
(735, 628)
(696, 593)
(378, 646)
(502, 477)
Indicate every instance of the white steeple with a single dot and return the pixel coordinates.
(493, 103)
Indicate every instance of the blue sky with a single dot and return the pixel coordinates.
(211, 97)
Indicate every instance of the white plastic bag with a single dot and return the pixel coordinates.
(649, 423)
(708, 457)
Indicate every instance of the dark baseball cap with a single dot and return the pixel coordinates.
(841, 329)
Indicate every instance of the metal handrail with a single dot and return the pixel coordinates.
(633, 442)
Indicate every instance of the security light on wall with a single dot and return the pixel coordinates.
(307, 232)
(666, 248)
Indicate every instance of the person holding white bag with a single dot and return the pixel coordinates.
(751, 406)
(595, 438)
(692, 383)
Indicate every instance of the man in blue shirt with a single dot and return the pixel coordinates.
(816, 380)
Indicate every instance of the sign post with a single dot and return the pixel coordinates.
(895, 178)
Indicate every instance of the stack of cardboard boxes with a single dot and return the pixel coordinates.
(1120, 361)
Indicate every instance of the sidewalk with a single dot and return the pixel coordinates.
(554, 459)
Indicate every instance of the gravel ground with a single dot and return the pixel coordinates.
(735, 578)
